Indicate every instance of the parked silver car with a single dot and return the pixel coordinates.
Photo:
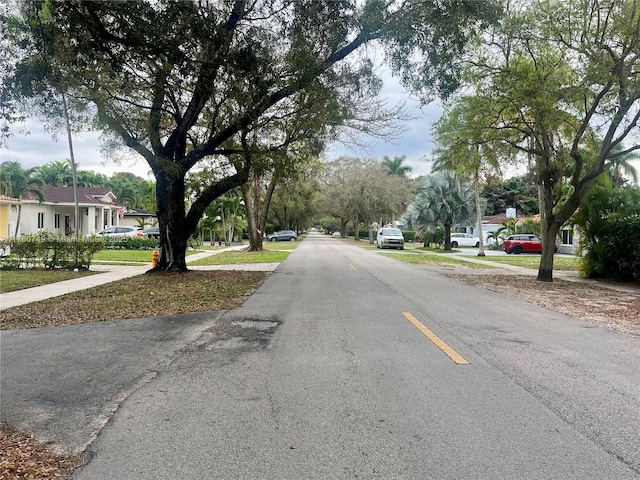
(283, 236)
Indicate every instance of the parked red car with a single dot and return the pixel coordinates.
(523, 243)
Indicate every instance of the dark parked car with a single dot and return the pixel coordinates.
(153, 232)
(523, 243)
(283, 236)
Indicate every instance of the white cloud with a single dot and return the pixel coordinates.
(40, 147)
(416, 141)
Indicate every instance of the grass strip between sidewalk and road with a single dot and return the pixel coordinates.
(434, 260)
(533, 261)
(235, 258)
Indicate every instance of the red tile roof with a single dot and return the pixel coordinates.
(4, 198)
(65, 195)
(496, 219)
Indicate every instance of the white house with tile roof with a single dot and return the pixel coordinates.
(98, 208)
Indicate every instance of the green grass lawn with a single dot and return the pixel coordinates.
(533, 261)
(438, 260)
(440, 257)
(12, 280)
(274, 252)
(116, 257)
(234, 258)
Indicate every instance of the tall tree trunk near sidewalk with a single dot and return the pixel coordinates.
(550, 224)
(255, 232)
(447, 236)
(174, 235)
(257, 210)
(545, 270)
(545, 202)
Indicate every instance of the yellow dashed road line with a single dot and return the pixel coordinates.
(438, 342)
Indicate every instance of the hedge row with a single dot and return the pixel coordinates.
(129, 243)
(48, 251)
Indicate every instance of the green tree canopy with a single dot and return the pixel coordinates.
(180, 82)
(560, 83)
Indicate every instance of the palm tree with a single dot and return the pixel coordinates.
(15, 181)
(444, 200)
(88, 178)
(56, 174)
(395, 166)
(508, 228)
(462, 149)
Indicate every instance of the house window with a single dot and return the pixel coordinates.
(567, 237)
(40, 219)
(56, 220)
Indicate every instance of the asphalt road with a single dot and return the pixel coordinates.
(62, 384)
(321, 375)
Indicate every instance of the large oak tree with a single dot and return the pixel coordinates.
(179, 82)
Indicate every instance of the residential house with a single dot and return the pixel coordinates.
(136, 217)
(98, 209)
(568, 241)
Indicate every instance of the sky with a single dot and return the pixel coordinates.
(38, 147)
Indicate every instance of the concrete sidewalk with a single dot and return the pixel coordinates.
(112, 273)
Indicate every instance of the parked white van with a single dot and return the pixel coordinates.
(390, 238)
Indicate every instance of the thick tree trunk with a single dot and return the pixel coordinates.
(356, 230)
(253, 219)
(550, 226)
(174, 233)
(545, 271)
(447, 236)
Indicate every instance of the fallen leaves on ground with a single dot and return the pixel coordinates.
(22, 457)
(139, 297)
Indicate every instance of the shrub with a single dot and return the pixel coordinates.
(48, 250)
(131, 243)
(409, 235)
(434, 237)
(616, 253)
